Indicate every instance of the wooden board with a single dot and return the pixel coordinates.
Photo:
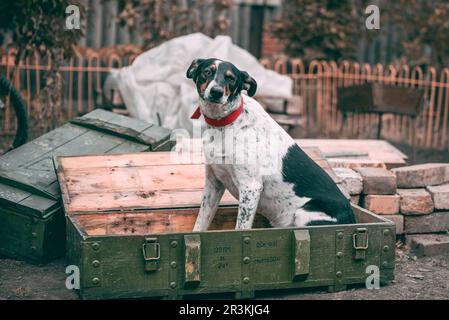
(131, 222)
(146, 180)
(157, 221)
(380, 153)
(126, 127)
(101, 183)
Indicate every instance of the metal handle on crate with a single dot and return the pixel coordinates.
(192, 256)
(151, 251)
(301, 254)
(360, 243)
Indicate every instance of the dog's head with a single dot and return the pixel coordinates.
(218, 81)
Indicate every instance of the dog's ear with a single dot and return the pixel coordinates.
(248, 83)
(191, 72)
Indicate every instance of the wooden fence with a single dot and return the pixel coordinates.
(316, 83)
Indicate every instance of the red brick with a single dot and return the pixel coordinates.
(434, 222)
(440, 196)
(271, 45)
(398, 220)
(378, 181)
(382, 204)
(422, 175)
(415, 201)
(351, 180)
(429, 244)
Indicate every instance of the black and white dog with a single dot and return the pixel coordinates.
(297, 192)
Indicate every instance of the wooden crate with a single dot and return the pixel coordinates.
(130, 220)
(32, 224)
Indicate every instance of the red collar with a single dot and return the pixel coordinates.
(230, 118)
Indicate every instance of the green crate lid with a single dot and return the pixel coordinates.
(28, 183)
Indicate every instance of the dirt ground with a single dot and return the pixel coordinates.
(416, 278)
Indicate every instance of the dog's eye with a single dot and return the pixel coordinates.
(207, 72)
(230, 78)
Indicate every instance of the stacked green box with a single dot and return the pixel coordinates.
(32, 222)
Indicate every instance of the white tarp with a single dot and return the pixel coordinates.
(155, 85)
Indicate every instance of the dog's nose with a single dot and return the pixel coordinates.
(216, 92)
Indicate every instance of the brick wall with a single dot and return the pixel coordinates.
(415, 198)
(271, 46)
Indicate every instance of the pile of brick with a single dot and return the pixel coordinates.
(415, 198)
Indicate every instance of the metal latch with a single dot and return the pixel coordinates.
(151, 250)
(360, 242)
(192, 262)
(301, 254)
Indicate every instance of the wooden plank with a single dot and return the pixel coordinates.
(98, 189)
(118, 160)
(82, 203)
(144, 180)
(12, 194)
(353, 163)
(92, 142)
(120, 121)
(99, 183)
(42, 164)
(30, 181)
(22, 201)
(40, 204)
(128, 179)
(115, 127)
(126, 127)
(175, 220)
(157, 221)
(145, 159)
(378, 151)
(128, 146)
(98, 114)
(154, 135)
(40, 147)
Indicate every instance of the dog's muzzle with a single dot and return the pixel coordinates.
(216, 93)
